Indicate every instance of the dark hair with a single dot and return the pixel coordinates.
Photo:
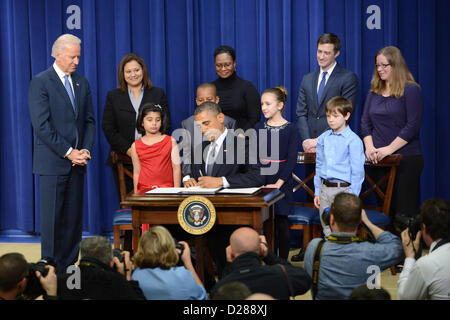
(330, 38)
(144, 110)
(13, 268)
(225, 49)
(146, 82)
(364, 293)
(208, 106)
(205, 85)
(346, 209)
(280, 92)
(435, 214)
(339, 104)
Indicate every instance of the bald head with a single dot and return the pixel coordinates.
(245, 240)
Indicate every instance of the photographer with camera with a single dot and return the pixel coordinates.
(429, 277)
(344, 261)
(277, 277)
(159, 272)
(22, 280)
(102, 275)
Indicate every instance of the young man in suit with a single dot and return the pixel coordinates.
(224, 159)
(62, 117)
(319, 86)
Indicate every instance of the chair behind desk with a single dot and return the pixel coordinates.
(379, 214)
(306, 216)
(122, 217)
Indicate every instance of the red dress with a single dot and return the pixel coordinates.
(156, 164)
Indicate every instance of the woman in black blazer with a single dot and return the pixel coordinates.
(122, 105)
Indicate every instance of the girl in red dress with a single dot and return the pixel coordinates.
(155, 156)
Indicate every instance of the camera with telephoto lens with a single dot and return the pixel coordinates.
(34, 288)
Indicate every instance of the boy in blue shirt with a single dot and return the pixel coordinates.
(339, 158)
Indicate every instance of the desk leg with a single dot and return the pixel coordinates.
(269, 229)
(136, 229)
(199, 262)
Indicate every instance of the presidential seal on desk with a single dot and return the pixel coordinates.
(196, 215)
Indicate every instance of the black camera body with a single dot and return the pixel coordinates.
(118, 254)
(413, 227)
(34, 288)
(180, 247)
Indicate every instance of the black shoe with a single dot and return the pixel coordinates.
(298, 257)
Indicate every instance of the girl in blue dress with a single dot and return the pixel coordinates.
(278, 158)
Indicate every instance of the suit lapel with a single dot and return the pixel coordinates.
(59, 87)
(77, 90)
(314, 88)
(222, 155)
(126, 104)
(331, 80)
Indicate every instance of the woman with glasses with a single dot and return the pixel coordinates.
(239, 98)
(391, 123)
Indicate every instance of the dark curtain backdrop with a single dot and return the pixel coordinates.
(275, 42)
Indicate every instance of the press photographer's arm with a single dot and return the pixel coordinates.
(376, 231)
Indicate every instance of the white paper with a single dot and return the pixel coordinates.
(240, 190)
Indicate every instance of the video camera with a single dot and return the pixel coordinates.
(34, 288)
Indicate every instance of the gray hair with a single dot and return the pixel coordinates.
(210, 106)
(60, 43)
(98, 248)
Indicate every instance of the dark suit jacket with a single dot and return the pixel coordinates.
(55, 123)
(188, 146)
(311, 116)
(235, 166)
(119, 117)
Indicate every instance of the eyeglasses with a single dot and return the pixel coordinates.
(383, 66)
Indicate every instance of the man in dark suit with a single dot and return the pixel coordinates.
(224, 160)
(319, 86)
(193, 135)
(62, 117)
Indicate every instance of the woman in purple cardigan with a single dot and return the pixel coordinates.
(391, 123)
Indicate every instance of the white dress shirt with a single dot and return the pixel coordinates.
(329, 72)
(429, 277)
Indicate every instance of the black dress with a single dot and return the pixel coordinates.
(240, 100)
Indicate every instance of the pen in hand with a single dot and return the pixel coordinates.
(201, 173)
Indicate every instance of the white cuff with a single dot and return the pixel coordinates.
(225, 182)
(68, 152)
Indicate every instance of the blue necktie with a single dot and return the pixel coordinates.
(70, 93)
(321, 87)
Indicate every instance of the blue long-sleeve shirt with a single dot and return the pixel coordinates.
(340, 157)
(343, 267)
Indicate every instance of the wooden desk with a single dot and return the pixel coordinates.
(255, 210)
